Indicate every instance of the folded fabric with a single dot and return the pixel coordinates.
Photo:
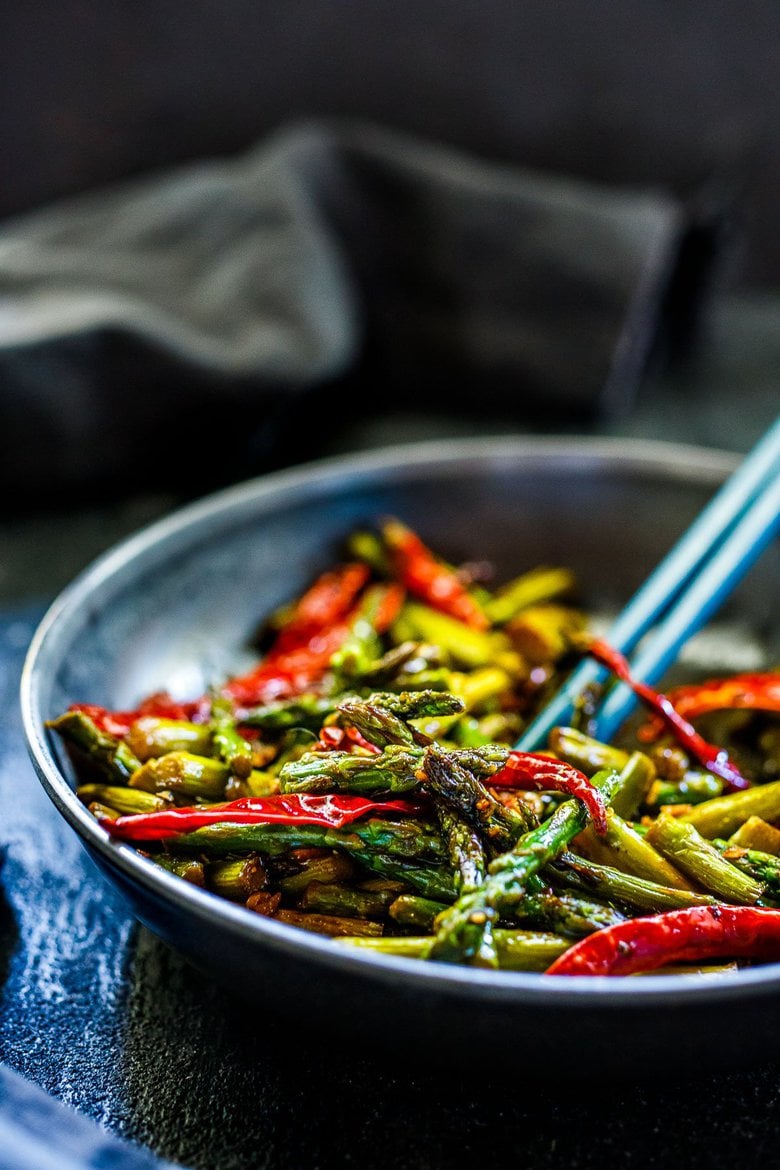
(38, 1132)
(175, 321)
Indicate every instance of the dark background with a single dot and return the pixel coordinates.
(664, 93)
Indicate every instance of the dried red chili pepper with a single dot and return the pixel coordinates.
(689, 935)
(284, 675)
(537, 772)
(300, 657)
(757, 691)
(160, 704)
(715, 759)
(333, 738)
(428, 578)
(287, 809)
(324, 604)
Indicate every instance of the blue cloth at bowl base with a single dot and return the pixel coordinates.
(38, 1132)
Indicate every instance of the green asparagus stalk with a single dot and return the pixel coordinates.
(464, 646)
(126, 801)
(181, 772)
(237, 879)
(693, 788)
(407, 660)
(532, 588)
(463, 792)
(625, 889)
(545, 633)
(345, 901)
(378, 725)
(188, 868)
(516, 950)
(362, 646)
(762, 867)
(395, 770)
(413, 841)
(465, 933)
(152, 735)
(583, 752)
(701, 861)
(363, 545)
(105, 752)
(564, 913)
(331, 924)
(756, 833)
(637, 774)
(627, 847)
(309, 711)
(325, 867)
(429, 881)
(464, 846)
(229, 745)
(723, 815)
(413, 911)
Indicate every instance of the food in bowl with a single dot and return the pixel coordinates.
(361, 780)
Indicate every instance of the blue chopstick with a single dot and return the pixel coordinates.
(718, 547)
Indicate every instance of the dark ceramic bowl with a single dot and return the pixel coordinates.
(174, 606)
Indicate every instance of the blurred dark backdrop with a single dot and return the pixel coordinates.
(649, 91)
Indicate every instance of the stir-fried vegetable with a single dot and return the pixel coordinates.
(361, 780)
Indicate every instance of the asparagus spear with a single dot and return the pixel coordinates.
(377, 724)
(229, 745)
(185, 773)
(627, 847)
(153, 735)
(516, 950)
(429, 881)
(564, 913)
(326, 867)
(345, 901)
(187, 868)
(411, 910)
(464, 645)
(395, 770)
(330, 924)
(756, 833)
(761, 866)
(723, 815)
(588, 754)
(701, 861)
(693, 788)
(121, 799)
(362, 645)
(532, 588)
(109, 755)
(465, 932)
(464, 846)
(613, 885)
(545, 633)
(413, 841)
(237, 879)
(463, 792)
(307, 710)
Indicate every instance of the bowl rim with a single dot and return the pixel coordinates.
(668, 459)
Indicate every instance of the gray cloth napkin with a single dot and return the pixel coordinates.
(182, 323)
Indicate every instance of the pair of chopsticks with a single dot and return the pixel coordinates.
(682, 593)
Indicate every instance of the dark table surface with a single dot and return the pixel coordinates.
(107, 1020)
